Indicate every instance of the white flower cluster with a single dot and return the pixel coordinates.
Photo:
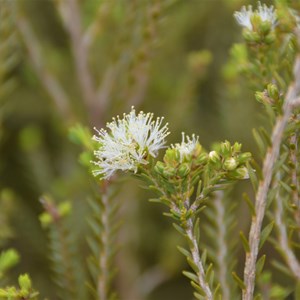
(266, 13)
(129, 141)
(186, 148)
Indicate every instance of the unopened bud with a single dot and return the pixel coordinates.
(214, 156)
(273, 91)
(230, 164)
(169, 172)
(24, 282)
(159, 167)
(244, 157)
(226, 148)
(242, 173)
(184, 170)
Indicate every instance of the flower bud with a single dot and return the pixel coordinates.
(241, 173)
(214, 157)
(230, 164)
(159, 167)
(24, 282)
(184, 170)
(244, 157)
(169, 172)
(237, 147)
(226, 148)
(265, 27)
(201, 159)
(273, 91)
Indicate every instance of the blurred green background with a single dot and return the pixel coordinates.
(165, 56)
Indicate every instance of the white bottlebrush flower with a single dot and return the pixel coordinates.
(266, 13)
(186, 148)
(128, 142)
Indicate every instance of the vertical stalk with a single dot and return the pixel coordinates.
(264, 185)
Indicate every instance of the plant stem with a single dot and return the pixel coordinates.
(194, 248)
(222, 245)
(261, 196)
(287, 252)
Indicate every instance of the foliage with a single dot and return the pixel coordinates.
(69, 65)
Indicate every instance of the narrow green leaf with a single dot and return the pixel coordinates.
(279, 266)
(216, 295)
(285, 186)
(250, 204)
(260, 265)
(265, 234)
(184, 252)
(209, 272)
(259, 141)
(192, 264)
(197, 287)
(198, 297)
(179, 229)
(190, 275)
(204, 257)
(239, 281)
(245, 242)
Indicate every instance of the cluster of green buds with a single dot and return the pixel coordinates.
(270, 96)
(24, 292)
(258, 25)
(181, 160)
(229, 159)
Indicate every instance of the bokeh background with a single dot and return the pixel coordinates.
(170, 57)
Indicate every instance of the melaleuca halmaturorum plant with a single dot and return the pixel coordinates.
(271, 63)
(184, 180)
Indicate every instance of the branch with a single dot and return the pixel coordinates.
(197, 260)
(264, 185)
(70, 14)
(287, 252)
(49, 82)
(221, 256)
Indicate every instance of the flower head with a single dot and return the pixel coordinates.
(266, 14)
(186, 148)
(128, 143)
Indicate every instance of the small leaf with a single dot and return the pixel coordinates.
(239, 281)
(260, 265)
(265, 234)
(184, 252)
(179, 229)
(192, 264)
(197, 230)
(191, 276)
(297, 291)
(259, 141)
(281, 267)
(250, 204)
(245, 242)
(197, 287)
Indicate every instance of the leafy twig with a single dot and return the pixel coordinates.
(261, 196)
(287, 252)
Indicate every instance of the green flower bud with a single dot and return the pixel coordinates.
(184, 170)
(214, 157)
(24, 282)
(201, 159)
(226, 148)
(273, 91)
(169, 172)
(172, 157)
(265, 27)
(270, 38)
(264, 98)
(244, 157)
(159, 167)
(237, 147)
(230, 164)
(241, 173)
